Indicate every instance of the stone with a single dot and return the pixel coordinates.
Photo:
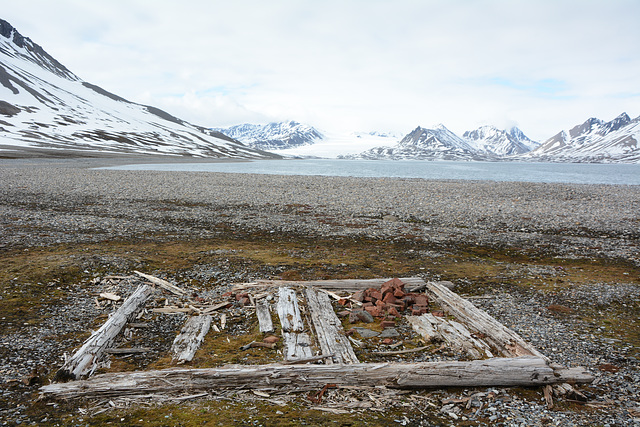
(364, 316)
(272, 339)
(389, 333)
(387, 341)
(366, 333)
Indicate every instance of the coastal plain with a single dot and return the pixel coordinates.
(558, 263)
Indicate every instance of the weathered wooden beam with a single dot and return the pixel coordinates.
(188, 341)
(503, 339)
(289, 311)
(264, 316)
(497, 372)
(83, 361)
(297, 345)
(348, 285)
(328, 328)
(163, 284)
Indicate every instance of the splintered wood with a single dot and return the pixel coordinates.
(297, 343)
(190, 338)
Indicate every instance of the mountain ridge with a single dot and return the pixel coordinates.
(45, 106)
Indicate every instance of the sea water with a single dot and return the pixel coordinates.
(578, 173)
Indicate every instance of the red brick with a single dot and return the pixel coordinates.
(393, 312)
(438, 313)
(342, 301)
(389, 299)
(374, 311)
(381, 305)
(240, 296)
(421, 299)
(387, 341)
(387, 324)
(367, 304)
(386, 288)
(409, 299)
(376, 295)
(399, 293)
(415, 312)
(344, 313)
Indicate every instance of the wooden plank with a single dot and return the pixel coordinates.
(264, 316)
(496, 372)
(498, 336)
(289, 311)
(296, 346)
(424, 328)
(328, 328)
(190, 338)
(347, 285)
(162, 283)
(84, 360)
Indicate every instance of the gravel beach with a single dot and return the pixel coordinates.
(44, 203)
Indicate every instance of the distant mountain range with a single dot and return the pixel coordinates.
(44, 107)
(273, 136)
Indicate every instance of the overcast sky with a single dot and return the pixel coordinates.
(353, 65)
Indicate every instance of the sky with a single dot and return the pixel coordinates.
(353, 65)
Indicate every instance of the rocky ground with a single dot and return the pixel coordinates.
(557, 263)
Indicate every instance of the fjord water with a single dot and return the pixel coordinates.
(577, 173)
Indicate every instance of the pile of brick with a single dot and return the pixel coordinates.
(390, 300)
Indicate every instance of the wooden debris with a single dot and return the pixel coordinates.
(396, 352)
(110, 296)
(190, 338)
(84, 360)
(328, 328)
(307, 360)
(264, 316)
(256, 344)
(349, 285)
(173, 310)
(163, 284)
(212, 308)
(496, 372)
(504, 340)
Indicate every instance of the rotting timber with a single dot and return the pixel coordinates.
(336, 364)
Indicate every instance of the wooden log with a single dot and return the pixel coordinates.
(348, 285)
(123, 350)
(264, 316)
(190, 338)
(424, 328)
(497, 372)
(289, 311)
(162, 283)
(84, 360)
(328, 328)
(498, 336)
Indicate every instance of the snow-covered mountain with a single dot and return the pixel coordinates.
(45, 106)
(593, 141)
(436, 143)
(493, 141)
(273, 136)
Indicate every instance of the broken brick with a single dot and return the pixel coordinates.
(421, 299)
(399, 293)
(376, 295)
(387, 341)
(387, 324)
(364, 316)
(438, 313)
(389, 299)
(359, 296)
(393, 312)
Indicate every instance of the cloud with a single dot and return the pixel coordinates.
(356, 65)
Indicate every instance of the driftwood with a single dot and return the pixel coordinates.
(123, 350)
(349, 285)
(190, 338)
(497, 372)
(162, 283)
(454, 334)
(83, 361)
(329, 331)
(297, 345)
(503, 339)
(264, 316)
